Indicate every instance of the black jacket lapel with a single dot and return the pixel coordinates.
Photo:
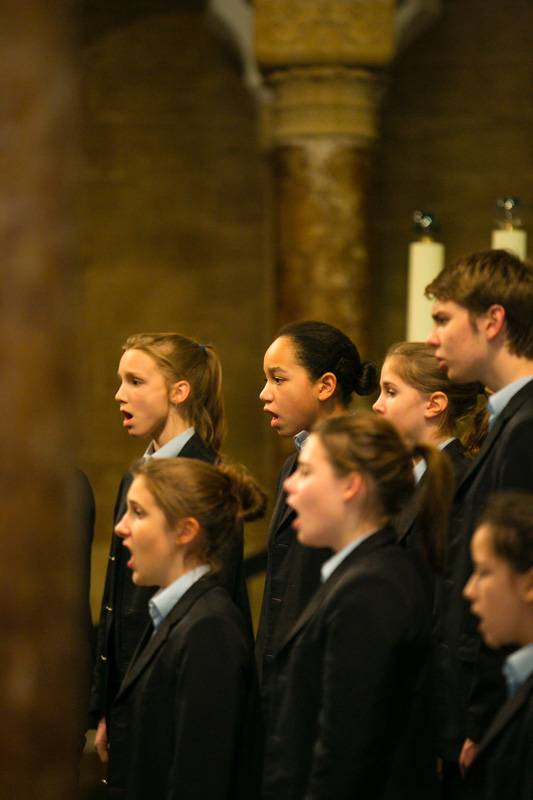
(152, 642)
(375, 541)
(514, 404)
(507, 712)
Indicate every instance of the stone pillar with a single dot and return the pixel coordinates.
(323, 61)
(40, 635)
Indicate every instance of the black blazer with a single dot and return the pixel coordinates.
(471, 683)
(503, 767)
(353, 689)
(182, 725)
(292, 577)
(124, 613)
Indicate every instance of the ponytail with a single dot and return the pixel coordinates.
(435, 504)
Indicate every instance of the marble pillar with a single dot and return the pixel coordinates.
(323, 64)
(40, 606)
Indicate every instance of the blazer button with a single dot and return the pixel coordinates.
(103, 658)
(108, 608)
(111, 558)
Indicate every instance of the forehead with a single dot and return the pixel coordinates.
(281, 353)
(313, 450)
(449, 307)
(482, 543)
(389, 371)
(138, 490)
(134, 360)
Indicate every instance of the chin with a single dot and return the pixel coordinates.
(308, 540)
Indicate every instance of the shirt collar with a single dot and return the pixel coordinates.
(300, 439)
(171, 449)
(518, 667)
(329, 566)
(497, 402)
(164, 600)
(420, 468)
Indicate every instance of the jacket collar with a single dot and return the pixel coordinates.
(507, 712)
(151, 642)
(514, 405)
(378, 540)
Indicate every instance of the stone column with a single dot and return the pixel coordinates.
(40, 635)
(323, 62)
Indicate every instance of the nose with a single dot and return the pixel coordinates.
(266, 394)
(288, 483)
(122, 528)
(468, 590)
(432, 340)
(119, 397)
(378, 406)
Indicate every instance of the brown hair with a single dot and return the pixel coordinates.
(181, 358)
(510, 517)
(217, 497)
(369, 444)
(491, 277)
(416, 364)
(322, 348)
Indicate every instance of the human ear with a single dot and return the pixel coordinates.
(528, 586)
(179, 392)
(327, 386)
(437, 403)
(494, 320)
(188, 529)
(354, 484)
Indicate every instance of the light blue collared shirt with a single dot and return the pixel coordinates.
(518, 667)
(300, 439)
(329, 566)
(171, 449)
(497, 402)
(164, 600)
(420, 468)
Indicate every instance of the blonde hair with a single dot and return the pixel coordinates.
(182, 358)
(369, 444)
(217, 497)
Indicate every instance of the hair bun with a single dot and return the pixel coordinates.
(367, 379)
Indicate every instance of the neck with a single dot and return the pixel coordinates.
(179, 567)
(330, 408)
(505, 369)
(173, 427)
(355, 530)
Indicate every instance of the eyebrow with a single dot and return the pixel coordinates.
(271, 370)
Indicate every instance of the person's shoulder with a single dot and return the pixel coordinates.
(196, 448)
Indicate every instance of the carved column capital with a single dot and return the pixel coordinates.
(316, 32)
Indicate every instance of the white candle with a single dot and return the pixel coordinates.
(513, 239)
(426, 259)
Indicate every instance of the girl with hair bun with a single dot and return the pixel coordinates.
(353, 678)
(170, 393)
(183, 722)
(312, 372)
